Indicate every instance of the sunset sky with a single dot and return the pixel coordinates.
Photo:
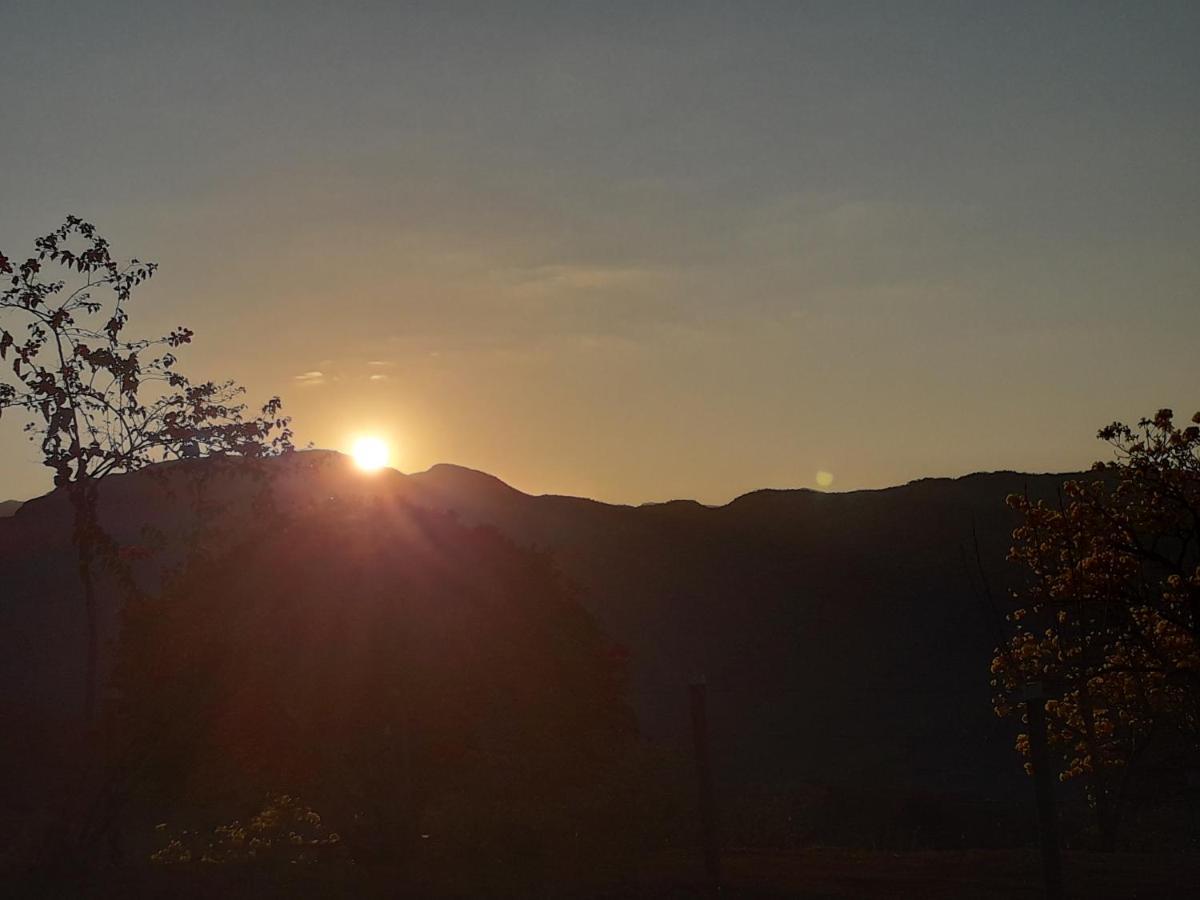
(639, 251)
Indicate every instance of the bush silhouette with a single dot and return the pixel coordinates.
(390, 665)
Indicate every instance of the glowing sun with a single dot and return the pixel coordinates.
(370, 453)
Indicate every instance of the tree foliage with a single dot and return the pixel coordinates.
(400, 671)
(1107, 620)
(285, 829)
(99, 401)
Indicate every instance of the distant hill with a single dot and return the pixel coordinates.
(8, 507)
(845, 637)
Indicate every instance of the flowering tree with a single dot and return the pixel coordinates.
(1107, 622)
(100, 402)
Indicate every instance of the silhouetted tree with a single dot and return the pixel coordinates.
(401, 672)
(101, 402)
(1108, 619)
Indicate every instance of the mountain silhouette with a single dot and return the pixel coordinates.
(844, 637)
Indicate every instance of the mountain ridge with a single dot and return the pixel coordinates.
(844, 636)
(444, 470)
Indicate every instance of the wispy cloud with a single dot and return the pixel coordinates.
(309, 378)
(577, 278)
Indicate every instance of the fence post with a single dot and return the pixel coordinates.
(708, 829)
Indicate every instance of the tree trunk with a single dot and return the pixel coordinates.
(1043, 783)
(83, 499)
(89, 608)
(1105, 818)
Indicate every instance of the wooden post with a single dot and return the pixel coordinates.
(1043, 783)
(708, 828)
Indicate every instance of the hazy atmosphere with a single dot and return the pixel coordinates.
(349, 350)
(635, 253)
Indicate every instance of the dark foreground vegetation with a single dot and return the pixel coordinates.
(318, 681)
(236, 669)
(812, 874)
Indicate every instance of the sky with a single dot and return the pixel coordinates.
(639, 251)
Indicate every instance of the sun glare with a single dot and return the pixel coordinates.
(370, 453)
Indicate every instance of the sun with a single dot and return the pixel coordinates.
(370, 453)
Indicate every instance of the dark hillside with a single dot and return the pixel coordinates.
(845, 637)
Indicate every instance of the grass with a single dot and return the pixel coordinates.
(825, 873)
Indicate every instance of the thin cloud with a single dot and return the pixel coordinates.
(310, 378)
(578, 278)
